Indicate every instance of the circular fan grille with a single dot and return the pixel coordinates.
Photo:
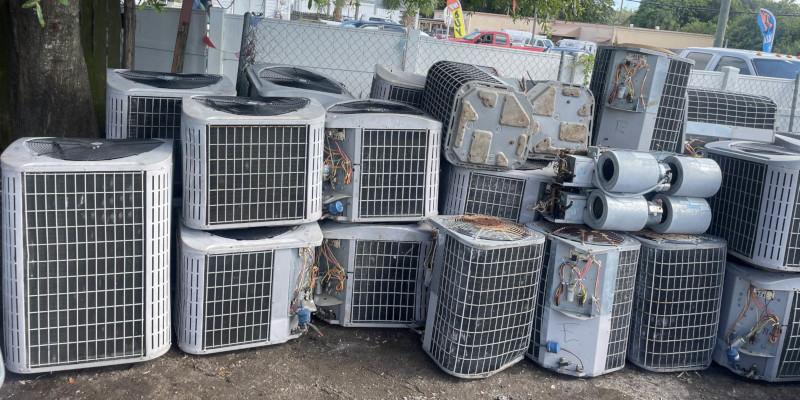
(299, 79)
(168, 80)
(263, 107)
(253, 233)
(586, 235)
(488, 228)
(373, 107)
(535, 164)
(81, 149)
(671, 237)
(763, 148)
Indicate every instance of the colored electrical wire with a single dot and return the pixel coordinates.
(337, 159)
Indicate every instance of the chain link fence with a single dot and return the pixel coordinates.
(349, 55)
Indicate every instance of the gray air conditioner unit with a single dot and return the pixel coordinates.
(242, 288)
(250, 163)
(395, 85)
(486, 123)
(511, 195)
(485, 278)
(582, 317)
(373, 275)
(277, 80)
(676, 302)
(757, 210)
(715, 115)
(563, 115)
(86, 249)
(759, 335)
(381, 162)
(640, 98)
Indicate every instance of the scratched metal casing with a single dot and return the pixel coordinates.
(595, 331)
(563, 114)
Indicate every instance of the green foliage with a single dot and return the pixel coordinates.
(593, 11)
(411, 6)
(157, 5)
(586, 63)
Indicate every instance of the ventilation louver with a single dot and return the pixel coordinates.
(756, 208)
(652, 102)
(485, 278)
(400, 86)
(510, 195)
(715, 115)
(381, 165)
(588, 286)
(258, 165)
(759, 326)
(676, 301)
(276, 80)
(486, 123)
(374, 275)
(89, 235)
(147, 104)
(236, 289)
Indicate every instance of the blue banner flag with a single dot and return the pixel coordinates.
(766, 21)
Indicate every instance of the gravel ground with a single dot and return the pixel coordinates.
(367, 364)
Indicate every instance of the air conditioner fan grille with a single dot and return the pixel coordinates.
(85, 149)
(167, 80)
(263, 107)
(374, 107)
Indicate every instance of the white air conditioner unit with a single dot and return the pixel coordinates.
(86, 249)
(756, 209)
(483, 292)
(374, 275)
(395, 85)
(278, 80)
(759, 326)
(250, 163)
(716, 115)
(511, 195)
(583, 314)
(676, 301)
(241, 288)
(382, 162)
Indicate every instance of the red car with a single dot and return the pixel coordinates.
(491, 38)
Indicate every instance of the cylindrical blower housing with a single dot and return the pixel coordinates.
(693, 177)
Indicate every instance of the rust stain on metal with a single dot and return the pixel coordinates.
(545, 103)
(467, 114)
(522, 143)
(586, 110)
(513, 114)
(573, 132)
(481, 144)
(488, 97)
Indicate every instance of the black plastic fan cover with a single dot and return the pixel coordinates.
(763, 148)
(374, 107)
(262, 107)
(85, 149)
(168, 80)
(254, 233)
(300, 79)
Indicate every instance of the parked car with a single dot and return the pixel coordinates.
(441, 34)
(749, 62)
(493, 38)
(375, 18)
(570, 50)
(375, 26)
(585, 45)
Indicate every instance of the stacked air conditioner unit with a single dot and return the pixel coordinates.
(511, 195)
(756, 209)
(250, 163)
(242, 288)
(714, 115)
(86, 240)
(676, 302)
(381, 161)
(759, 335)
(582, 322)
(374, 275)
(563, 115)
(640, 98)
(145, 104)
(400, 86)
(485, 277)
(277, 80)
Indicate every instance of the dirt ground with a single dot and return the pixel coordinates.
(366, 364)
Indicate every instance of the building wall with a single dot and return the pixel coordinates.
(661, 38)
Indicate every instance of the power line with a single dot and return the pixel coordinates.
(653, 3)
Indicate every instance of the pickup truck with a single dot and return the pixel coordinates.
(492, 38)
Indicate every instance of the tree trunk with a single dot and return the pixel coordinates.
(50, 83)
(358, 8)
(337, 14)
(408, 18)
(130, 34)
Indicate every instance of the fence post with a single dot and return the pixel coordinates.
(561, 66)
(731, 74)
(215, 32)
(795, 93)
(410, 50)
(245, 55)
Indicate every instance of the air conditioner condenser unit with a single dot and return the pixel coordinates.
(716, 115)
(278, 80)
(395, 85)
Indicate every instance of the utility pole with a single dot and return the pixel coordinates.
(533, 30)
(619, 14)
(722, 22)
